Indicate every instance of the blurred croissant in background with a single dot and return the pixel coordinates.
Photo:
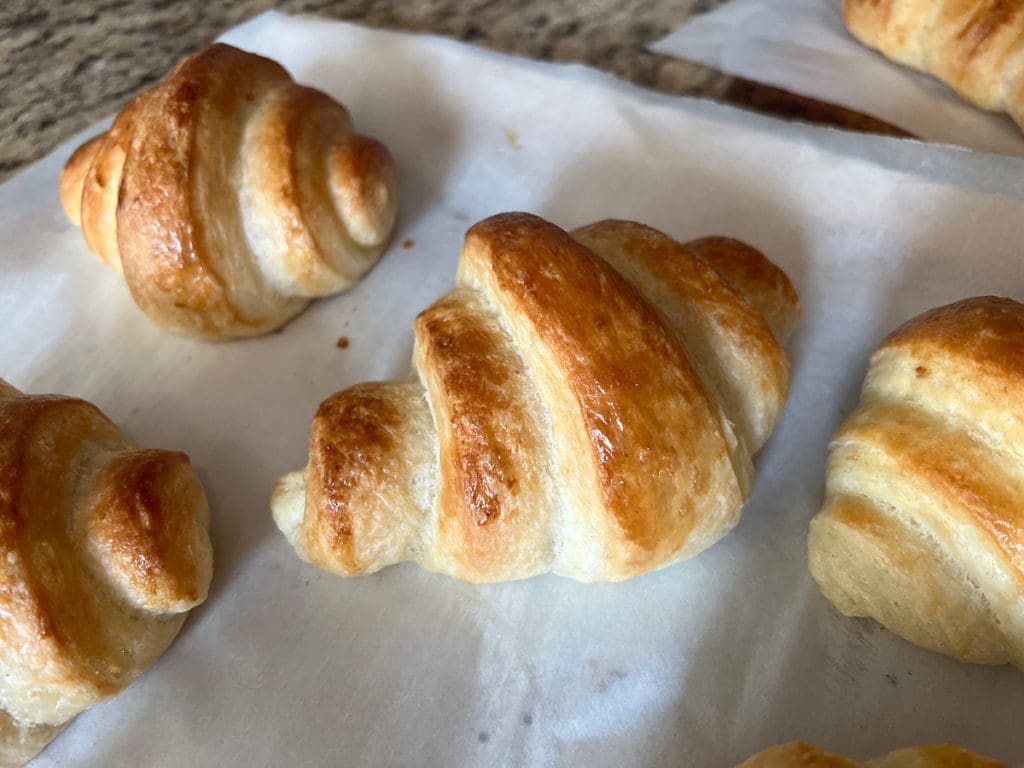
(229, 196)
(800, 755)
(974, 47)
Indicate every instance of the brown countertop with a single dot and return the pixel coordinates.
(64, 65)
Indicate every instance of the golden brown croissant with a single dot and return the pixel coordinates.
(104, 550)
(797, 754)
(586, 405)
(975, 47)
(229, 196)
(922, 526)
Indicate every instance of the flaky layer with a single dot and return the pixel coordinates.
(579, 408)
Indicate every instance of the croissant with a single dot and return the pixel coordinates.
(922, 527)
(586, 405)
(973, 47)
(797, 754)
(229, 197)
(104, 550)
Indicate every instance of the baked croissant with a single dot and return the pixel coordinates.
(228, 196)
(797, 754)
(974, 47)
(584, 404)
(922, 526)
(104, 549)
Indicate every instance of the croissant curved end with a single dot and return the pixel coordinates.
(72, 177)
(362, 176)
(288, 504)
(146, 528)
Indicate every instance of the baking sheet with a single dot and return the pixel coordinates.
(701, 664)
(803, 47)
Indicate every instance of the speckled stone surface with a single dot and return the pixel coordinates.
(66, 63)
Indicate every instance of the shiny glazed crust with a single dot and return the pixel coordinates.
(974, 46)
(229, 196)
(797, 754)
(103, 549)
(922, 526)
(583, 404)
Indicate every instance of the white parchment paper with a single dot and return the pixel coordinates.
(701, 664)
(803, 47)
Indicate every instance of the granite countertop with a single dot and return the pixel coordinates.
(67, 63)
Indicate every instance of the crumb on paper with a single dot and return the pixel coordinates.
(342, 342)
(513, 139)
(409, 243)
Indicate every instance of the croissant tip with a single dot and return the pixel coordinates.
(73, 176)
(288, 505)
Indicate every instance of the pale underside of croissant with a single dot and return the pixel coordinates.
(977, 48)
(922, 527)
(229, 196)
(586, 405)
(104, 549)
(800, 755)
